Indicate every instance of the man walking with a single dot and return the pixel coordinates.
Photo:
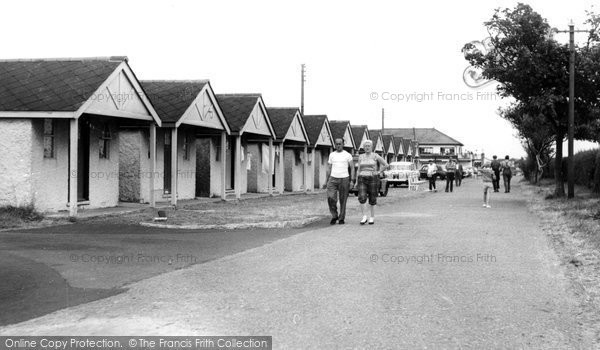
(506, 173)
(338, 181)
(459, 174)
(450, 169)
(431, 174)
(496, 170)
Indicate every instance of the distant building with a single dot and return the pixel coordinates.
(431, 144)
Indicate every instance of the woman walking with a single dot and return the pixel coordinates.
(370, 165)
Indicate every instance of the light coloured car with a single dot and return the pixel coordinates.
(399, 173)
(468, 171)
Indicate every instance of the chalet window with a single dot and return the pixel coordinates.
(48, 138)
(104, 142)
(186, 147)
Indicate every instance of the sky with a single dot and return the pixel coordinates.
(360, 57)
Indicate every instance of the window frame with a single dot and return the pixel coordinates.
(50, 136)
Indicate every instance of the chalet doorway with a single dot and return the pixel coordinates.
(83, 161)
(229, 165)
(167, 163)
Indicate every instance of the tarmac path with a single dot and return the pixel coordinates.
(435, 271)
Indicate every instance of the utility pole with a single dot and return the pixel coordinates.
(382, 120)
(571, 120)
(571, 164)
(302, 80)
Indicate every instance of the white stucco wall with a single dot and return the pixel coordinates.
(16, 185)
(50, 176)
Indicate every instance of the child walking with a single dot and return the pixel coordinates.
(488, 177)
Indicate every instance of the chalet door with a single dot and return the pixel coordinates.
(83, 160)
(167, 162)
(229, 165)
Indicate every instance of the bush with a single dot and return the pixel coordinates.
(587, 169)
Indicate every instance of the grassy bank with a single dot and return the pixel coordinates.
(573, 229)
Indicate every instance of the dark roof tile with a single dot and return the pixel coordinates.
(387, 139)
(398, 144)
(358, 132)
(172, 98)
(51, 84)
(281, 119)
(313, 125)
(237, 108)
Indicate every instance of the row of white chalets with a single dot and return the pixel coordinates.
(85, 132)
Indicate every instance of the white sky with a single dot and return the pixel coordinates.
(351, 50)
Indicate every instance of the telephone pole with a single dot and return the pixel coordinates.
(382, 120)
(571, 120)
(302, 81)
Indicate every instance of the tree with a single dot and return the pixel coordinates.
(537, 139)
(532, 68)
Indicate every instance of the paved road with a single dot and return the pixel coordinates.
(468, 278)
(48, 269)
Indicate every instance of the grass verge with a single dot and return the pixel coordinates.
(573, 228)
(18, 216)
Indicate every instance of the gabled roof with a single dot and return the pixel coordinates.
(52, 84)
(172, 98)
(387, 140)
(313, 125)
(237, 109)
(425, 136)
(338, 129)
(282, 119)
(398, 145)
(375, 135)
(406, 143)
(358, 131)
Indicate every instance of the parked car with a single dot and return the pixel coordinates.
(441, 171)
(468, 171)
(399, 173)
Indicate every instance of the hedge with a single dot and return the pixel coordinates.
(587, 169)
